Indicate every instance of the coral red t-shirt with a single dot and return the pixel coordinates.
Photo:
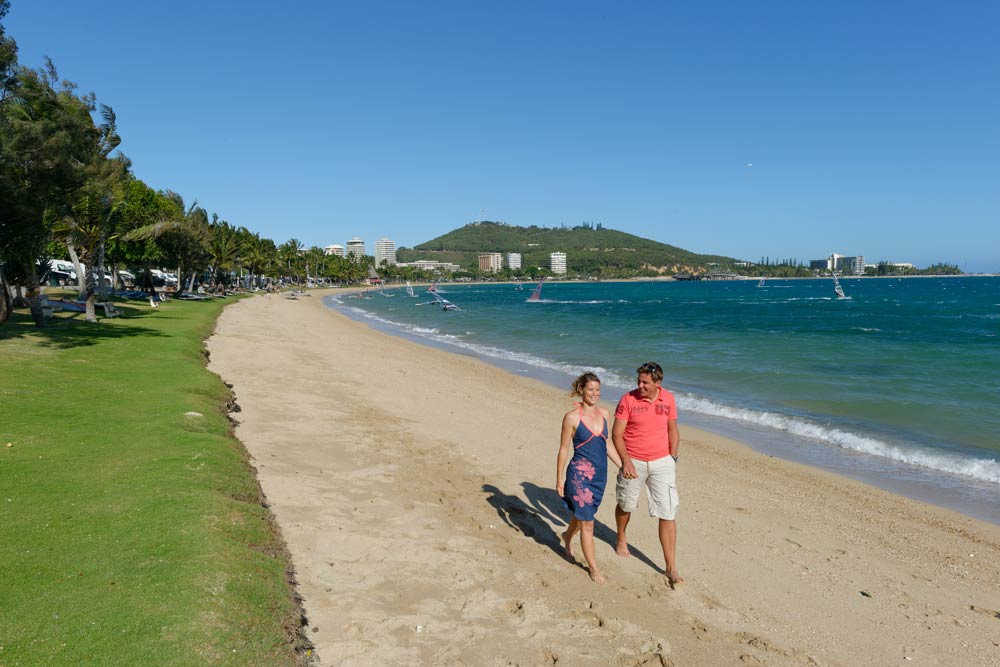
(647, 435)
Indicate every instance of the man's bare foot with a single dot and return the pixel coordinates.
(597, 577)
(674, 578)
(622, 548)
(567, 544)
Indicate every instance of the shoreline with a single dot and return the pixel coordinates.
(413, 488)
(968, 496)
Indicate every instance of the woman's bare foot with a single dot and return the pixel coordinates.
(597, 577)
(674, 578)
(621, 548)
(567, 544)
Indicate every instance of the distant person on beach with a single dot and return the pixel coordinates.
(647, 440)
(584, 444)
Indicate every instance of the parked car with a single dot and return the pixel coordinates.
(63, 268)
(55, 278)
(126, 278)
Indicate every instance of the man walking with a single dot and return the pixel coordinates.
(646, 437)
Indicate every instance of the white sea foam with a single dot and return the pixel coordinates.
(987, 470)
(490, 350)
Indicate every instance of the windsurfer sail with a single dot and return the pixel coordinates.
(536, 294)
(837, 289)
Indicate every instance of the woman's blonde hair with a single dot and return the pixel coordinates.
(581, 382)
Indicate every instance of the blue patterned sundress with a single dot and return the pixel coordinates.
(587, 473)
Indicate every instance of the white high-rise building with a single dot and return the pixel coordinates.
(514, 260)
(557, 260)
(356, 247)
(335, 249)
(490, 262)
(385, 251)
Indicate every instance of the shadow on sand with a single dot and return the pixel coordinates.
(544, 509)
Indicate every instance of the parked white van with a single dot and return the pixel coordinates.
(63, 266)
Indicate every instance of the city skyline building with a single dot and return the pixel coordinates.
(834, 262)
(490, 262)
(431, 265)
(385, 251)
(557, 261)
(514, 260)
(334, 249)
(355, 247)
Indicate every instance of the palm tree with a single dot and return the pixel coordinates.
(260, 255)
(223, 250)
(181, 235)
(290, 254)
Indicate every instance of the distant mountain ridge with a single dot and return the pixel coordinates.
(590, 249)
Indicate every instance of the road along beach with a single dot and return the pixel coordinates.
(414, 489)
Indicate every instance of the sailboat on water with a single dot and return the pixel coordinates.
(536, 294)
(837, 289)
(761, 283)
(409, 289)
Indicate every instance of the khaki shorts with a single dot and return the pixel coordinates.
(660, 479)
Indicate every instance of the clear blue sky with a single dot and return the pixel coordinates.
(782, 129)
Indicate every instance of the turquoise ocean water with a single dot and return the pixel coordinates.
(898, 385)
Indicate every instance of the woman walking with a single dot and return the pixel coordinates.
(584, 445)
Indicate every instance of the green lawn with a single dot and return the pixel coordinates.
(131, 534)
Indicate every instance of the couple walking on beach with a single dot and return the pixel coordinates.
(645, 444)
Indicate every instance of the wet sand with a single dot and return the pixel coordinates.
(414, 489)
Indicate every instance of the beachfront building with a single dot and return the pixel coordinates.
(514, 260)
(334, 249)
(355, 247)
(853, 265)
(431, 265)
(385, 251)
(557, 261)
(490, 262)
(841, 264)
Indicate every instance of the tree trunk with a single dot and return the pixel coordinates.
(148, 284)
(100, 270)
(90, 295)
(20, 300)
(34, 294)
(6, 304)
(78, 265)
(91, 314)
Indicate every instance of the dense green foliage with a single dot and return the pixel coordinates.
(590, 250)
(888, 269)
(131, 532)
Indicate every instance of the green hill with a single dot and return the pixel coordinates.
(590, 250)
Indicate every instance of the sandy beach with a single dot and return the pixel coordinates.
(414, 488)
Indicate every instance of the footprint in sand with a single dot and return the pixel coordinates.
(649, 660)
(984, 611)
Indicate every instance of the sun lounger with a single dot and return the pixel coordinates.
(72, 306)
